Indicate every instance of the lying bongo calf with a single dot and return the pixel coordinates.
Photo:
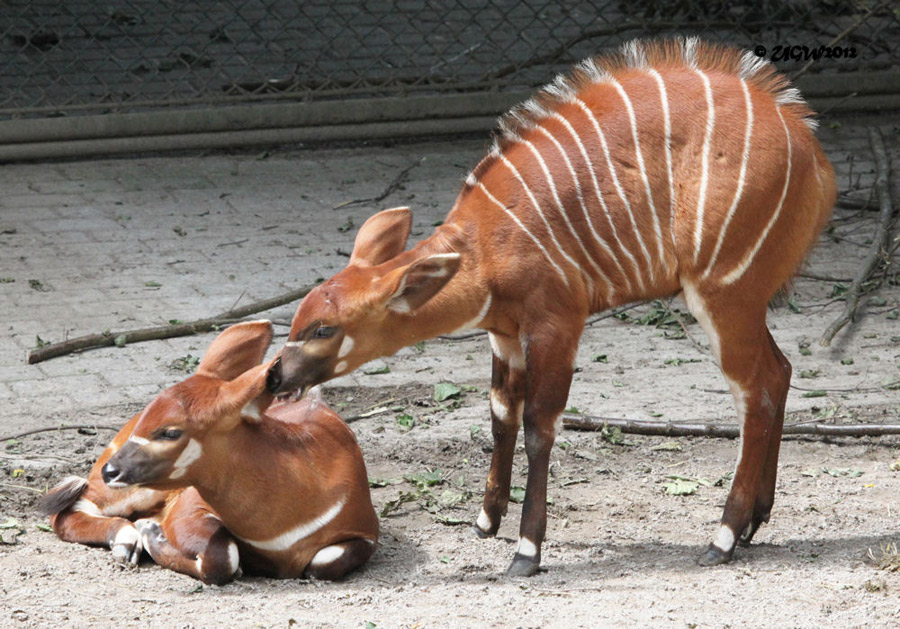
(212, 475)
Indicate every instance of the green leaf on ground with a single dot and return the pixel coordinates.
(517, 494)
(445, 391)
(680, 486)
(374, 371)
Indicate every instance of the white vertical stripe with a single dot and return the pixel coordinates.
(640, 159)
(618, 186)
(525, 229)
(704, 160)
(745, 159)
(667, 126)
(612, 225)
(540, 212)
(562, 210)
(748, 259)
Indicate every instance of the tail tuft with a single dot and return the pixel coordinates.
(63, 496)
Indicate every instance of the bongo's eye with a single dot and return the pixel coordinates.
(169, 434)
(324, 332)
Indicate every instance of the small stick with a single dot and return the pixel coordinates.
(879, 241)
(93, 341)
(391, 188)
(52, 428)
(724, 431)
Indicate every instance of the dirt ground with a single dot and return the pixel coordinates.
(620, 551)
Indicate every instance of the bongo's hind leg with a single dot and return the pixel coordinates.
(335, 561)
(759, 377)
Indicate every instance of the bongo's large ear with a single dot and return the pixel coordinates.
(236, 350)
(382, 237)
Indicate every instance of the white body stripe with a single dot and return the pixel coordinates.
(640, 159)
(559, 203)
(287, 539)
(537, 208)
(739, 270)
(745, 159)
(667, 128)
(473, 323)
(525, 229)
(599, 193)
(618, 186)
(704, 163)
(600, 242)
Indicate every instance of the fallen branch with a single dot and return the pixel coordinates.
(391, 188)
(52, 428)
(723, 431)
(105, 339)
(879, 242)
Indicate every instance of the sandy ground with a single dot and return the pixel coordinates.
(620, 550)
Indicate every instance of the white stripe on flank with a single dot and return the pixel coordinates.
(667, 126)
(525, 229)
(640, 159)
(612, 225)
(562, 210)
(618, 186)
(748, 259)
(473, 323)
(540, 213)
(299, 532)
(745, 159)
(704, 161)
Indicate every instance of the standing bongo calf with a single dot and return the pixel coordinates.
(670, 167)
(219, 475)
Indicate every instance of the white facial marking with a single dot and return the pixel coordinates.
(643, 169)
(82, 505)
(618, 186)
(251, 411)
(327, 555)
(739, 270)
(526, 547)
(340, 368)
(138, 440)
(483, 522)
(191, 453)
(346, 346)
(299, 532)
(745, 159)
(534, 239)
(704, 162)
(294, 343)
(724, 539)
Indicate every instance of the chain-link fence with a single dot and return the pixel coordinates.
(80, 54)
(68, 57)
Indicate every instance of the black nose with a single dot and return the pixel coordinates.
(274, 378)
(111, 475)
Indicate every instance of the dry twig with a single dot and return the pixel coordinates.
(880, 241)
(724, 431)
(391, 189)
(93, 341)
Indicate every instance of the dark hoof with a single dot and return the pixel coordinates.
(480, 533)
(523, 566)
(714, 556)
